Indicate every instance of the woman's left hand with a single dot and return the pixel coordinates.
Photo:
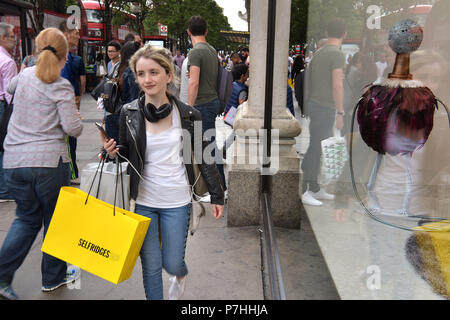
(217, 210)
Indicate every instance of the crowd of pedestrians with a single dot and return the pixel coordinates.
(39, 154)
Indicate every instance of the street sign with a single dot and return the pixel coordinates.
(162, 30)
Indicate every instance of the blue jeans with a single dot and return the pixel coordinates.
(171, 226)
(36, 191)
(3, 188)
(209, 112)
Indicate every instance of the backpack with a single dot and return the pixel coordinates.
(224, 86)
(108, 90)
(111, 96)
(302, 89)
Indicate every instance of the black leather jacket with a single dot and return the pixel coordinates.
(133, 143)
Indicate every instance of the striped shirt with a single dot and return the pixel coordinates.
(44, 114)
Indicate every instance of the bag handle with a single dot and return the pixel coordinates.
(117, 182)
(100, 166)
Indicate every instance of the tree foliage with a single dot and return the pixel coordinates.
(299, 21)
(176, 13)
(309, 17)
(141, 9)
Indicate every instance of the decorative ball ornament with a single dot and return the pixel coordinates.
(405, 37)
(396, 116)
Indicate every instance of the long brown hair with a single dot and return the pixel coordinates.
(51, 45)
(127, 51)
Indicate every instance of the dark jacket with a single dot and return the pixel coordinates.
(130, 89)
(238, 87)
(290, 101)
(133, 143)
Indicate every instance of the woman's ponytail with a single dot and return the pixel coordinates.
(52, 47)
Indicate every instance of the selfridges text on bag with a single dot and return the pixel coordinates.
(334, 157)
(104, 186)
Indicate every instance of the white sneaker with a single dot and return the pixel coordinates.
(308, 199)
(322, 195)
(177, 287)
(225, 195)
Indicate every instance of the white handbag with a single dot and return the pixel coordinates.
(99, 180)
(334, 157)
(230, 116)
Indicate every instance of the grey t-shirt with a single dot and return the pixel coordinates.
(204, 56)
(325, 60)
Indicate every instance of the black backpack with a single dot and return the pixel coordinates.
(108, 90)
(302, 89)
(224, 86)
(111, 96)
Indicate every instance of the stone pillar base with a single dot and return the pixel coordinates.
(244, 199)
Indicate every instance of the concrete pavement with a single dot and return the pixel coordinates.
(224, 263)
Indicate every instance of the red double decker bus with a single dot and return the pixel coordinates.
(96, 30)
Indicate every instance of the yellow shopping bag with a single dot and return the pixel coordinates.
(433, 239)
(291, 83)
(94, 235)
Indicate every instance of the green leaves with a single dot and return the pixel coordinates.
(176, 13)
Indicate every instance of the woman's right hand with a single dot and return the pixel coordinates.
(109, 146)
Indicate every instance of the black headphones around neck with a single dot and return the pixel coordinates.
(153, 114)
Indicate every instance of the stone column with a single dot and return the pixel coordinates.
(244, 176)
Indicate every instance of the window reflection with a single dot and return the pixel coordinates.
(94, 16)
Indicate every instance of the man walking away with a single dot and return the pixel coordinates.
(202, 90)
(8, 70)
(325, 106)
(75, 72)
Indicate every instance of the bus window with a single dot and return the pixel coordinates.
(94, 16)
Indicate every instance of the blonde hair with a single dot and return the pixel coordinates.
(55, 44)
(161, 56)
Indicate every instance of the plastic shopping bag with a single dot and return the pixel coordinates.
(94, 235)
(104, 186)
(230, 116)
(334, 157)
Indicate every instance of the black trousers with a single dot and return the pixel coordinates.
(320, 128)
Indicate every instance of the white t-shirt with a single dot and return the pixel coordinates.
(381, 66)
(184, 82)
(165, 183)
(290, 62)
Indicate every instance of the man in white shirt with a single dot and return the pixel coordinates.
(381, 65)
(184, 82)
(114, 56)
(8, 70)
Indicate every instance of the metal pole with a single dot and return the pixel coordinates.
(265, 179)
